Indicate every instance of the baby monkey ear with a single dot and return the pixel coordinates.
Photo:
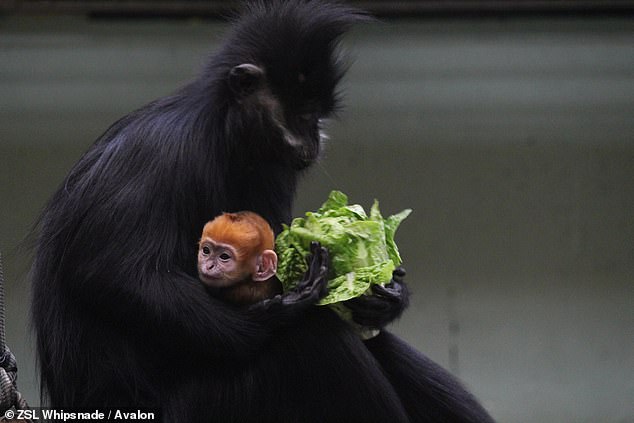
(245, 79)
(266, 266)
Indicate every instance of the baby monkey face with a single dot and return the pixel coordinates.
(219, 266)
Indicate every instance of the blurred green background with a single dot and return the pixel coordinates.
(512, 140)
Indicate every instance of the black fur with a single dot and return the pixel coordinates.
(119, 315)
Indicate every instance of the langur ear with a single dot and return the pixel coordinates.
(244, 79)
(267, 266)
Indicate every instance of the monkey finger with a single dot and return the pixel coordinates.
(399, 273)
(323, 271)
(318, 264)
(390, 292)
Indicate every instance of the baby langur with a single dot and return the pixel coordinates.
(236, 258)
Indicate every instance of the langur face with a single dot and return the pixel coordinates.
(219, 265)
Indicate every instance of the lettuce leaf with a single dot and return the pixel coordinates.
(362, 248)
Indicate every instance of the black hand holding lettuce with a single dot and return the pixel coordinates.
(363, 258)
(386, 303)
(312, 287)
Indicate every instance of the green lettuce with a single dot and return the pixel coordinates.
(362, 248)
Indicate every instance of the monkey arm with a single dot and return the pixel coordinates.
(386, 303)
(174, 312)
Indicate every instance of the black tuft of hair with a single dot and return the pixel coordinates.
(296, 42)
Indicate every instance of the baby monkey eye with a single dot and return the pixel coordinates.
(206, 250)
(224, 256)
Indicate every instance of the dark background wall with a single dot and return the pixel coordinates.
(512, 140)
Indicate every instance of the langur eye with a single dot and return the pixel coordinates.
(224, 256)
(206, 250)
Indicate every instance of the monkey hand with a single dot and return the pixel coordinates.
(315, 284)
(386, 303)
(311, 289)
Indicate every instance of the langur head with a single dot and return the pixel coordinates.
(283, 69)
(236, 248)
